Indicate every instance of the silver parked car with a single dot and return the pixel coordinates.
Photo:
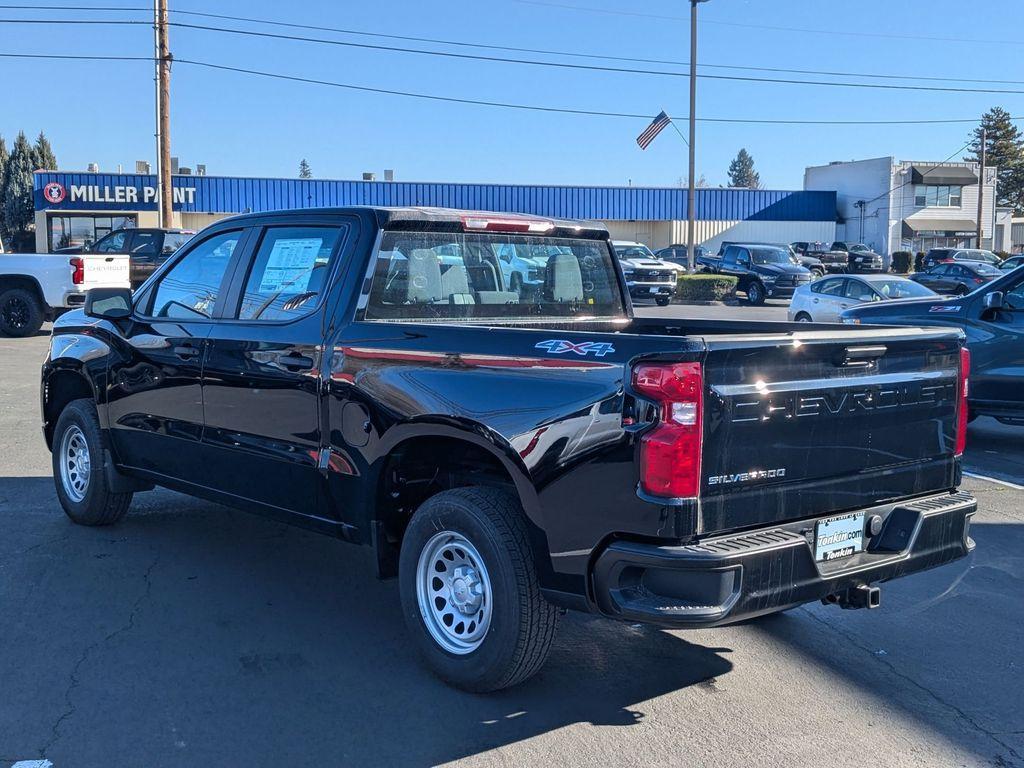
(824, 300)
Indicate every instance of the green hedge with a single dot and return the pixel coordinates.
(901, 261)
(705, 287)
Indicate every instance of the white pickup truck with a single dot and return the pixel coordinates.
(35, 287)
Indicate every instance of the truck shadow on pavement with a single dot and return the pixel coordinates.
(189, 632)
(942, 652)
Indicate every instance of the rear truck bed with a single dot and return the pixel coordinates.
(809, 465)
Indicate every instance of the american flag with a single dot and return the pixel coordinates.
(652, 130)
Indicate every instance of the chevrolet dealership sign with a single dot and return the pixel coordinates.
(56, 193)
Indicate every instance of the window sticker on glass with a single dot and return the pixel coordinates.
(290, 264)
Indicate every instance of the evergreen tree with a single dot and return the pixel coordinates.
(3, 167)
(305, 172)
(42, 154)
(16, 194)
(742, 173)
(1004, 150)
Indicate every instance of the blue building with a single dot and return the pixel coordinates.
(76, 208)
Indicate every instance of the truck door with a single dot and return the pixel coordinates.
(262, 375)
(154, 391)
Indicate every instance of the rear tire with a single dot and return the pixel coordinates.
(21, 313)
(803, 317)
(961, 290)
(469, 589)
(78, 468)
(755, 294)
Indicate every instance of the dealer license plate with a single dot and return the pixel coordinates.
(840, 536)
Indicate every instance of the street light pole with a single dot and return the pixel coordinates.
(691, 214)
(981, 187)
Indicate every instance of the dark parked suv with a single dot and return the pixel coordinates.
(508, 451)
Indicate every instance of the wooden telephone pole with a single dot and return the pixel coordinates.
(165, 194)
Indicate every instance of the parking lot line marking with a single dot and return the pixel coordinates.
(33, 764)
(995, 480)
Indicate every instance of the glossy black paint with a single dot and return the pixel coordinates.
(310, 420)
(995, 338)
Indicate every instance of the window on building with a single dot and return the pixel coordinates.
(937, 196)
(76, 230)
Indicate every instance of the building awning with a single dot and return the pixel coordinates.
(960, 175)
(913, 225)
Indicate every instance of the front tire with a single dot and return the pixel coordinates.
(470, 593)
(21, 313)
(662, 301)
(78, 468)
(755, 294)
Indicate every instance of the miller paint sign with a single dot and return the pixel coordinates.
(56, 193)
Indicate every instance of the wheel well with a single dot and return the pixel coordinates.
(18, 281)
(416, 470)
(802, 314)
(61, 388)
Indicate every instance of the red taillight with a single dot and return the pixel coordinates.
(962, 409)
(78, 276)
(670, 452)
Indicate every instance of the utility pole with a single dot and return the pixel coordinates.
(861, 204)
(981, 187)
(691, 215)
(165, 194)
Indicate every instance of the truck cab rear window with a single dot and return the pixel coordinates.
(439, 275)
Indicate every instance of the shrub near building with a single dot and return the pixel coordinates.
(702, 287)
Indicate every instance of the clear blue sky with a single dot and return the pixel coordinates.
(243, 125)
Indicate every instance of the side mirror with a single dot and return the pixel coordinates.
(108, 303)
(994, 300)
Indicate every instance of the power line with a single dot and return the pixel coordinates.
(591, 67)
(479, 102)
(802, 30)
(516, 49)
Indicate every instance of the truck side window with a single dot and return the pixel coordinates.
(144, 244)
(190, 289)
(289, 272)
(112, 243)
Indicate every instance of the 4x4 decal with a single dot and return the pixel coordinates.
(584, 348)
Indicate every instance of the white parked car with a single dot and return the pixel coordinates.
(35, 287)
(824, 300)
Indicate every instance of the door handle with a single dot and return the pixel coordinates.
(186, 351)
(295, 362)
(815, 301)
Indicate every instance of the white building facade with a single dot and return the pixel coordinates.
(902, 205)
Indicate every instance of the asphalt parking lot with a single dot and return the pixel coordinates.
(192, 634)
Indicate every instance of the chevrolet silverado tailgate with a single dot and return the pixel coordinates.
(812, 422)
(103, 270)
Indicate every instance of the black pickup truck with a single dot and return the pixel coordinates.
(369, 374)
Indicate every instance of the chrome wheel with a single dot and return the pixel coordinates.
(453, 592)
(75, 463)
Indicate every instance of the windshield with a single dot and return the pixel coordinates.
(984, 269)
(901, 289)
(770, 256)
(859, 247)
(634, 252)
(454, 275)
